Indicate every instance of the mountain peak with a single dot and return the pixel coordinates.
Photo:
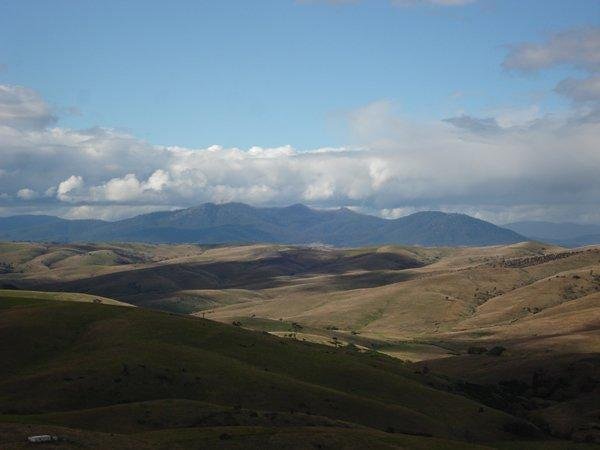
(298, 207)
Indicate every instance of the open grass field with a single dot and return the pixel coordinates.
(95, 373)
(515, 328)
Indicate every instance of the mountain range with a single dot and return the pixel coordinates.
(240, 223)
(565, 234)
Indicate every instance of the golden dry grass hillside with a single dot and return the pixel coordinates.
(517, 325)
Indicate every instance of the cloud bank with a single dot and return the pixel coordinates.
(492, 168)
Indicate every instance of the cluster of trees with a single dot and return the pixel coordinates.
(6, 267)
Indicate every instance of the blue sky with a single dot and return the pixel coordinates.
(269, 73)
(487, 107)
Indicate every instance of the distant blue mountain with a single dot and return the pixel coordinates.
(239, 223)
(567, 234)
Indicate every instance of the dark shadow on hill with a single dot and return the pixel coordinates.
(146, 284)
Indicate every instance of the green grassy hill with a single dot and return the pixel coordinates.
(7, 294)
(127, 375)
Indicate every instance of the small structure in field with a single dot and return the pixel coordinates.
(42, 438)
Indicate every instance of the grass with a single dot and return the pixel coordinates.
(247, 438)
(542, 310)
(120, 366)
(62, 296)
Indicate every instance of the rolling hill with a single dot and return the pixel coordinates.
(112, 377)
(240, 223)
(515, 327)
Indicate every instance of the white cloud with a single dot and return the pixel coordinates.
(23, 108)
(320, 190)
(516, 117)
(119, 189)
(513, 162)
(129, 188)
(158, 180)
(581, 90)
(286, 150)
(50, 192)
(109, 212)
(577, 47)
(65, 188)
(394, 213)
(27, 194)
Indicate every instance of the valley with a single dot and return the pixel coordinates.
(514, 327)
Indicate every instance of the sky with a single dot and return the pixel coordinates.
(487, 107)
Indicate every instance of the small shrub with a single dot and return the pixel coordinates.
(476, 350)
(496, 351)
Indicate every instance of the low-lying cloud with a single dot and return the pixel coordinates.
(466, 163)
